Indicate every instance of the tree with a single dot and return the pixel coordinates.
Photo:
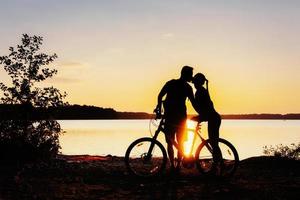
(28, 138)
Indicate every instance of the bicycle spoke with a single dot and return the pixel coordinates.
(227, 162)
(140, 162)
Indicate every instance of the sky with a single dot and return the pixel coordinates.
(119, 53)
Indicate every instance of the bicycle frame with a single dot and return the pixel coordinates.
(197, 131)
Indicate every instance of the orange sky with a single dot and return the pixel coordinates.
(120, 53)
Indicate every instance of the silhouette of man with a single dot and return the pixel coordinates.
(176, 91)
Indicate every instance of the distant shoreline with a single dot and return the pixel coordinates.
(241, 119)
(84, 112)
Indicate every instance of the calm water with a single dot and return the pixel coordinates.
(103, 137)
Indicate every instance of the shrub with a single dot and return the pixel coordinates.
(291, 152)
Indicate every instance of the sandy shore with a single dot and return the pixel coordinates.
(96, 177)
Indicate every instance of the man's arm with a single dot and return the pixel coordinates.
(161, 94)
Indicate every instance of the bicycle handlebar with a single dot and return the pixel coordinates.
(158, 114)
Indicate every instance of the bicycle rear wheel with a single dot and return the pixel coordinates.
(226, 167)
(140, 162)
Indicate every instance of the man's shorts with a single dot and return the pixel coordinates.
(174, 127)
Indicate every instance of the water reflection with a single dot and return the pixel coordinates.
(103, 137)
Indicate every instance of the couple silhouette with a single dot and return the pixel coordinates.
(176, 91)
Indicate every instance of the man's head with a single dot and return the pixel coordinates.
(187, 73)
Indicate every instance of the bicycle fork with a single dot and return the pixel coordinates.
(149, 153)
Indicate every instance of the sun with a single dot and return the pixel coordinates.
(188, 144)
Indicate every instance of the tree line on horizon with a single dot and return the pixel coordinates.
(12, 111)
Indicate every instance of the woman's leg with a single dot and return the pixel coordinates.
(214, 123)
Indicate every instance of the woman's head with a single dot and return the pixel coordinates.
(199, 79)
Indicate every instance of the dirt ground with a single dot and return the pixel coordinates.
(95, 177)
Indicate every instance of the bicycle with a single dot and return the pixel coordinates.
(146, 157)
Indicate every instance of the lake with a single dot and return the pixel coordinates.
(103, 137)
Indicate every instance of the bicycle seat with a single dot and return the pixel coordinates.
(197, 119)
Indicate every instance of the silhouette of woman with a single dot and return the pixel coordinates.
(208, 113)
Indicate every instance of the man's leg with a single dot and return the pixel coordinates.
(181, 137)
(171, 154)
(170, 136)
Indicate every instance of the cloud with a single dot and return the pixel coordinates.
(59, 79)
(168, 35)
(72, 64)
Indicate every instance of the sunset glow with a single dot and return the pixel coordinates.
(149, 99)
(120, 53)
(189, 143)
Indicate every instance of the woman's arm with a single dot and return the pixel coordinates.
(193, 100)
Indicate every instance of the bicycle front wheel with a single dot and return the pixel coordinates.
(143, 162)
(228, 164)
